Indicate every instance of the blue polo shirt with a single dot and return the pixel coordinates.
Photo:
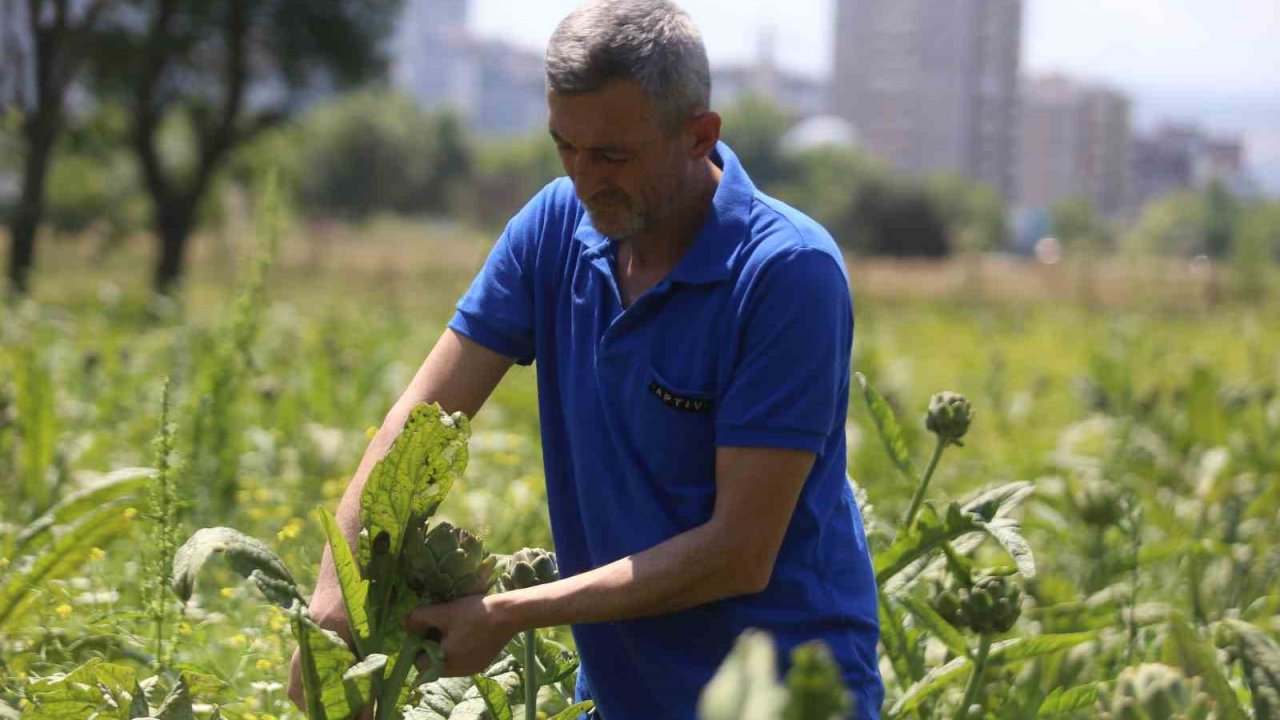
(745, 343)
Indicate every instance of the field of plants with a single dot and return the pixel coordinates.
(1083, 525)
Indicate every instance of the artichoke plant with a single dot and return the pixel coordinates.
(949, 416)
(444, 563)
(527, 568)
(990, 607)
(1100, 503)
(1153, 690)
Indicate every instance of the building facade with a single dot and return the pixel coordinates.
(932, 85)
(1182, 156)
(1075, 142)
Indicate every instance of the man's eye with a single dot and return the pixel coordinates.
(614, 158)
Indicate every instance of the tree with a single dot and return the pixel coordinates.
(753, 127)
(974, 213)
(1221, 220)
(225, 70)
(45, 51)
(375, 151)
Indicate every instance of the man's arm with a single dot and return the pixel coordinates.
(459, 374)
(731, 554)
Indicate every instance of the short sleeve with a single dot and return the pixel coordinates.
(497, 311)
(793, 356)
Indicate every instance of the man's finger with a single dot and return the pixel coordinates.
(421, 620)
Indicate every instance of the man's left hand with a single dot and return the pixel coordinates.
(471, 633)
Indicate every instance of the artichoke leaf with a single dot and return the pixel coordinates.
(407, 485)
(247, 555)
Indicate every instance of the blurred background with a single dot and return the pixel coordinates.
(1066, 210)
(1137, 139)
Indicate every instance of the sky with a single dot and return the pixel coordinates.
(1214, 61)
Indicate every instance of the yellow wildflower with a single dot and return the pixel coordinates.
(238, 639)
(97, 554)
(291, 529)
(130, 513)
(371, 431)
(227, 592)
(184, 629)
(263, 664)
(63, 610)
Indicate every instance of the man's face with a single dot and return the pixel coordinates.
(626, 169)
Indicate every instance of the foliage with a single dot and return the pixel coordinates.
(1138, 462)
(376, 151)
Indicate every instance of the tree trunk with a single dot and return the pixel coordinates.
(26, 216)
(173, 230)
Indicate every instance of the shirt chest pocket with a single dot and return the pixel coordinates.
(677, 424)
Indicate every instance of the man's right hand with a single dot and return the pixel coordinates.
(459, 374)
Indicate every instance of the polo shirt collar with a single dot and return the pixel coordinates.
(710, 256)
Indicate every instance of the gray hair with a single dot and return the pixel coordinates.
(651, 42)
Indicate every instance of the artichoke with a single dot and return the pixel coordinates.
(991, 606)
(529, 567)
(444, 563)
(949, 416)
(1152, 690)
(1100, 504)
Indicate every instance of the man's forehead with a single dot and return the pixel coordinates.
(620, 112)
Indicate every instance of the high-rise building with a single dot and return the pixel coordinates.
(1075, 143)
(1181, 156)
(432, 61)
(932, 85)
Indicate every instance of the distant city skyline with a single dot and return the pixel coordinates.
(1201, 60)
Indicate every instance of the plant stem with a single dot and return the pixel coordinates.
(924, 484)
(530, 674)
(390, 691)
(975, 680)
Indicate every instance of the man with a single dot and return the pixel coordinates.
(693, 342)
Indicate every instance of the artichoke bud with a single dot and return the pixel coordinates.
(444, 563)
(993, 604)
(1153, 690)
(529, 567)
(1099, 504)
(949, 416)
(947, 603)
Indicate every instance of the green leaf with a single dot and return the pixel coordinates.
(1200, 659)
(248, 556)
(998, 500)
(413, 478)
(887, 426)
(555, 661)
(177, 704)
(927, 536)
(67, 553)
(1002, 653)
(1062, 700)
(1260, 657)
(933, 622)
(495, 697)
(138, 704)
(201, 685)
(1007, 532)
(334, 685)
(573, 711)
(116, 485)
(96, 687)
(355, 589)
(312, 683)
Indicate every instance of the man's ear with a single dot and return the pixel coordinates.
(704, 132)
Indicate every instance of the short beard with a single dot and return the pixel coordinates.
(619, 225)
